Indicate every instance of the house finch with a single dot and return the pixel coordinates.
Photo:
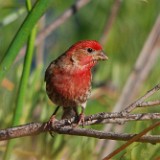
(68, 78)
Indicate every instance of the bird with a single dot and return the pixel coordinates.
(68, 78)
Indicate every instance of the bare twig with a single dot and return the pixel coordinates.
(64, 126)
(133, 139)
(21, 131)
(129, 117)
(123, 116)
(37, 128)
(140, 100)
(142, 68)
(117, 117)
(149, 103)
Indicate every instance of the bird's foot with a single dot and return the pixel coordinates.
(48, 125)
(81, 119)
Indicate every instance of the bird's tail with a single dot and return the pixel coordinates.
(69, 112)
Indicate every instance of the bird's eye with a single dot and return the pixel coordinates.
(90, 50)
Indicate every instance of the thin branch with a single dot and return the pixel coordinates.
(106, 118)
(140, 100)
(149, 104)
(64, 126)
(145, 62)
(37, 128)
(133, 139)
(129, 117)
(21, 131)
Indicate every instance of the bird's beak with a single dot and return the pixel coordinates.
(100, 56)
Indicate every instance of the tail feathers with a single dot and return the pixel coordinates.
(69, 112)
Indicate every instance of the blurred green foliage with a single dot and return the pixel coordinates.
(125, 41)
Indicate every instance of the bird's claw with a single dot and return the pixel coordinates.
(81, 119)
(48, 124)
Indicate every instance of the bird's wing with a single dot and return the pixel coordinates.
(49, 71)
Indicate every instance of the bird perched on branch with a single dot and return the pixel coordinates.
(68, 78)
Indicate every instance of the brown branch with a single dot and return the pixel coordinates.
(64, 126)
(145, 62)
(37, 128)
(127, 118)
(140, 100)
(133, 139)
(149, 103)
(125, 111)
(21, 131)
(102, 118)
